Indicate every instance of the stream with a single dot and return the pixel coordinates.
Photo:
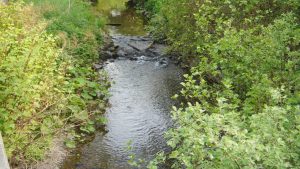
(143, 81)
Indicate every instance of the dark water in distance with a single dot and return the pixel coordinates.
(115, 12)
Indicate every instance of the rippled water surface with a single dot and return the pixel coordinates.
(139, 111)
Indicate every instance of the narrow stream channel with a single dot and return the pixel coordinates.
(140, 101)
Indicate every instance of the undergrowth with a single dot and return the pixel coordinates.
(242, 94)
(48, 85)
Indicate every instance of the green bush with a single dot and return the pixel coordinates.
(149, 7)
(47, 82)
(175, 24)
(30, 85)
(79, 30)
(243, 88)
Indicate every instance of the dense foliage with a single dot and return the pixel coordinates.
(47, 82)
(243, 88)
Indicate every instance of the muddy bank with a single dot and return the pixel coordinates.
(55, 156)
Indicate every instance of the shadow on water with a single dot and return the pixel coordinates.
(140, 101)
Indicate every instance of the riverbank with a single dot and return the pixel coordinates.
(49, 84)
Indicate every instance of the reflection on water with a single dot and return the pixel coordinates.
(139, 112)
(116, 12)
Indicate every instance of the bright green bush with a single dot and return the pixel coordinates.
(79, 30)
(243, 89)
(47, 82)
(30, 82)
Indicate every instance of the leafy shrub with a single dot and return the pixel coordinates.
(47, 83)
(149, 7)
(79, 30)
(243, 88)
(185, 24)
(30, 80)
(175, 23)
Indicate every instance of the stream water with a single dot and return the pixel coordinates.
(143, 82)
